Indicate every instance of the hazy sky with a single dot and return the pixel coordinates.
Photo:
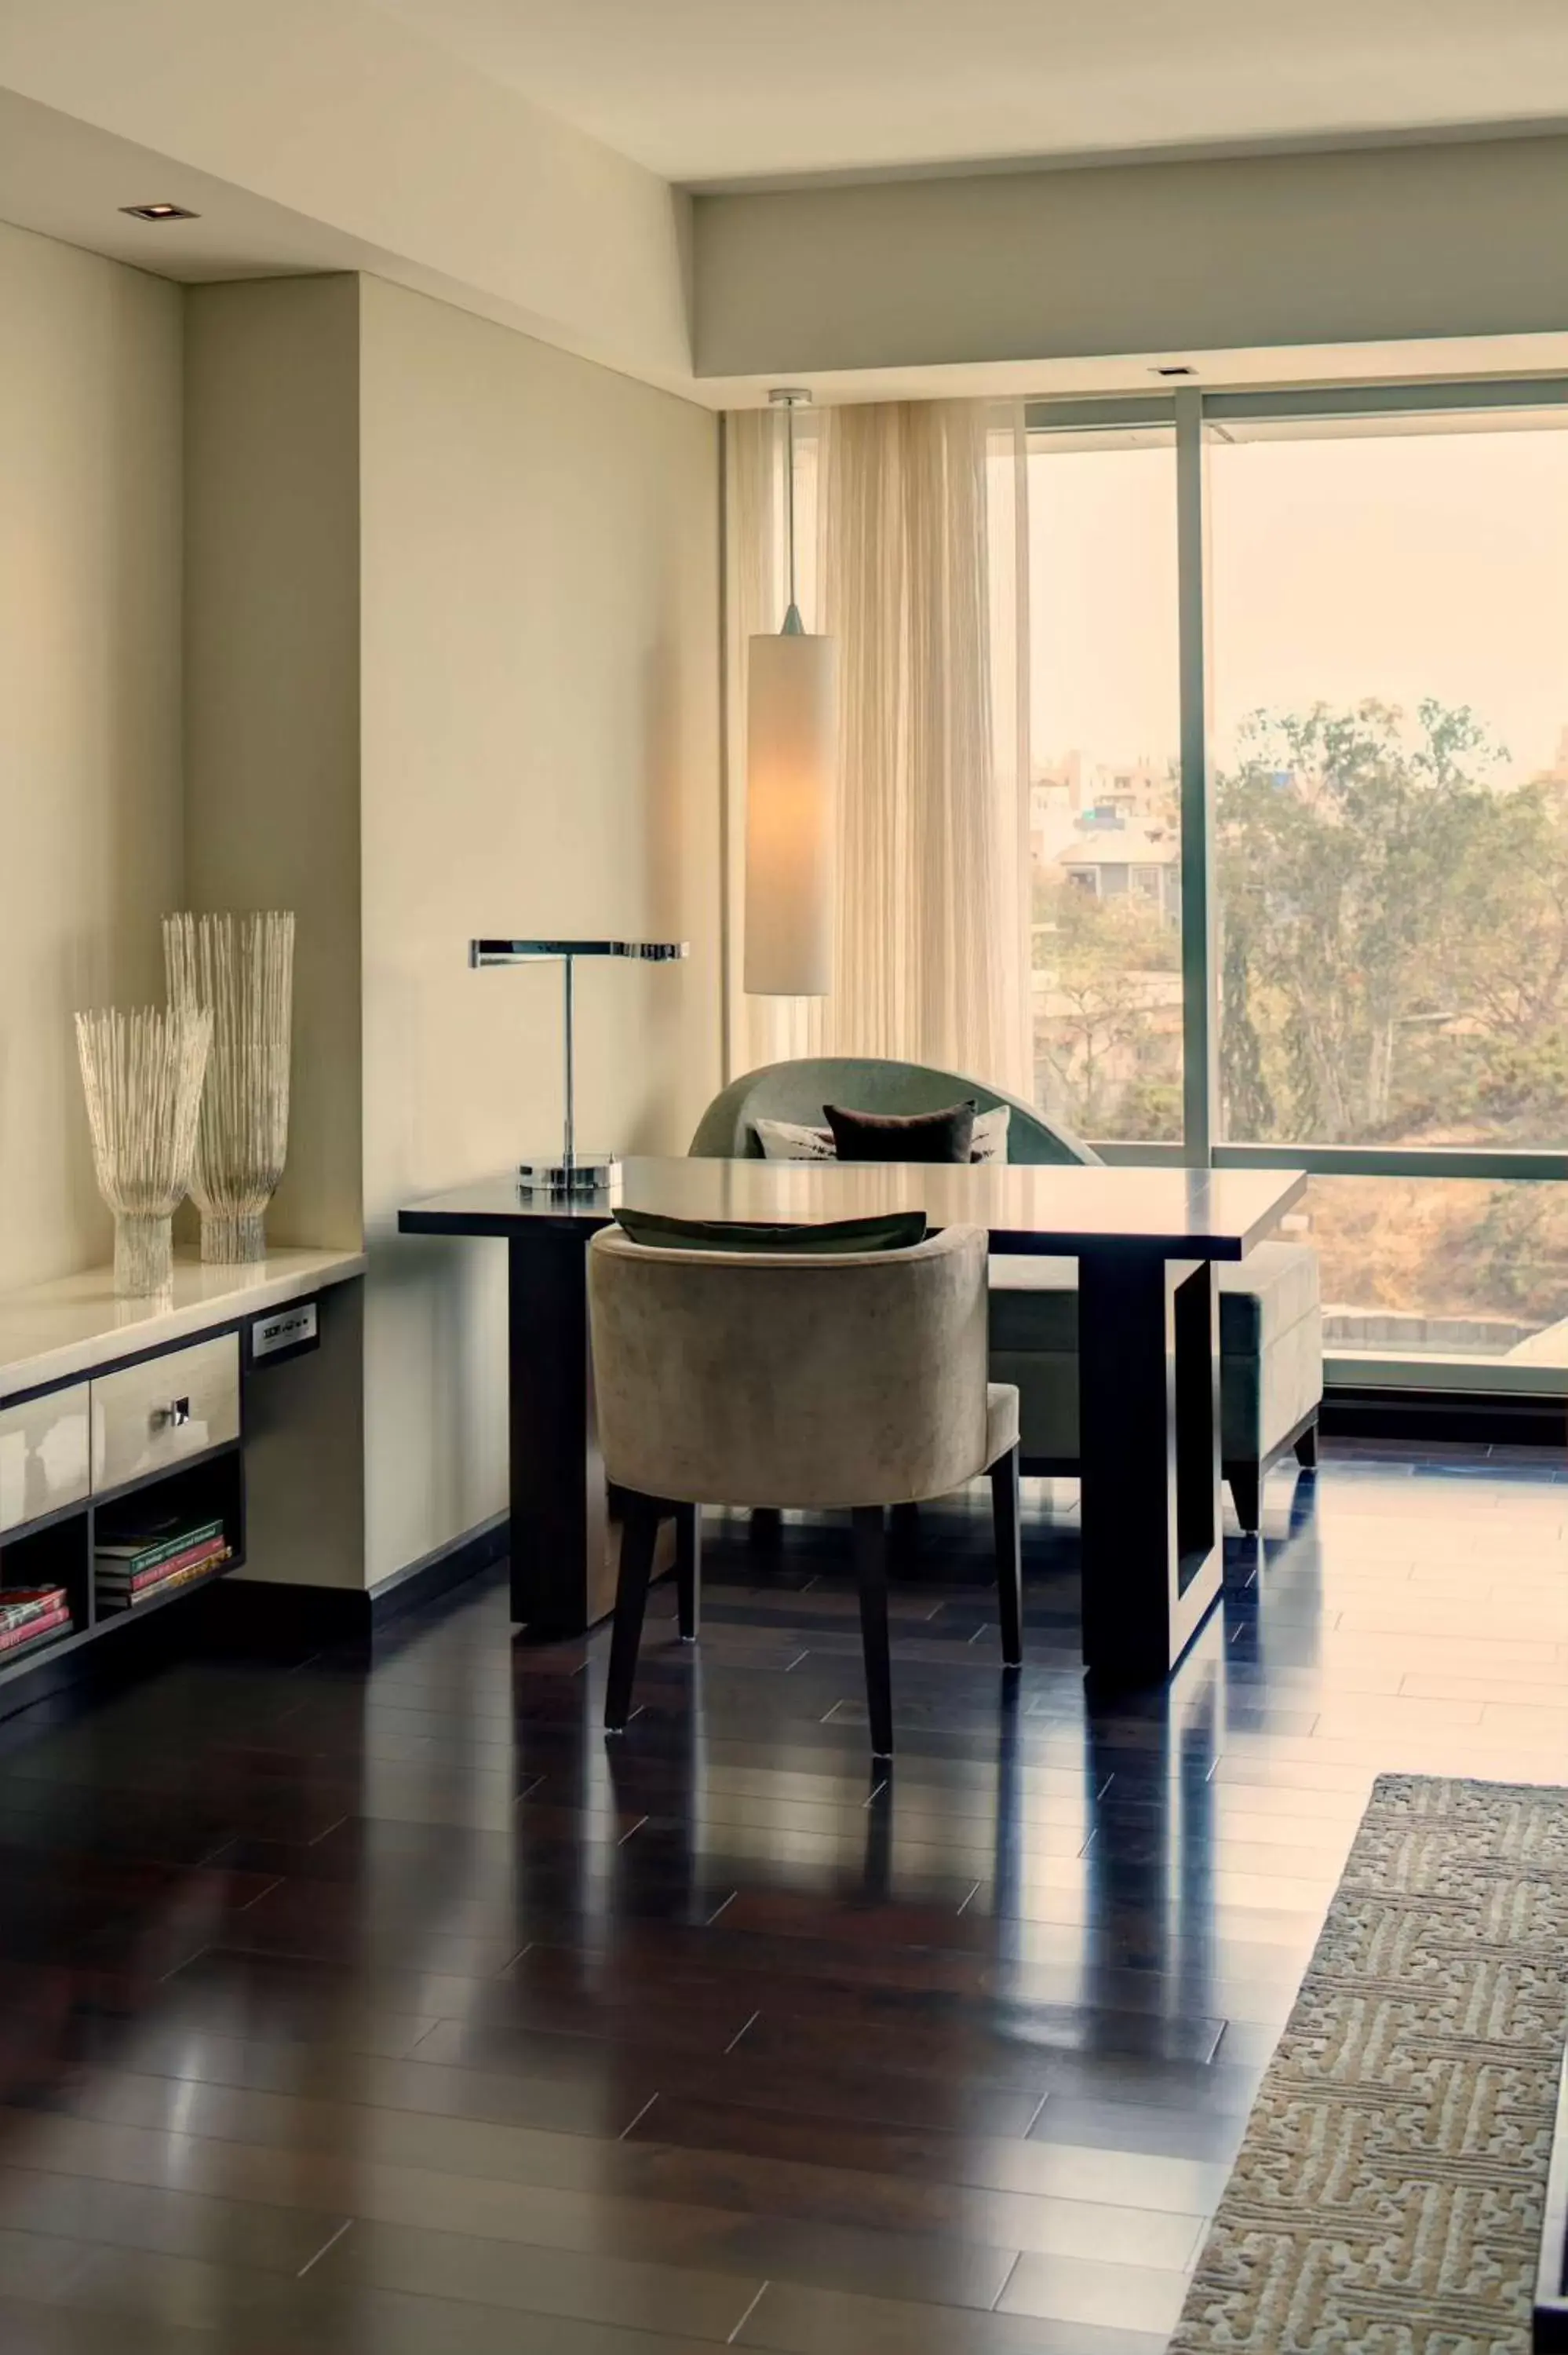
(1394, 566)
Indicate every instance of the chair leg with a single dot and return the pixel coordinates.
(1246, 1489)
(1307, 1448)
(904, 1539)
(639, 1540)
(871, 1567)
(1009, 1555)
(689, 1569)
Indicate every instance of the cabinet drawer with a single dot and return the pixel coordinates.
(42, 1456)
(149, 1417)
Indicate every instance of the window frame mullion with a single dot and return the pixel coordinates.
(1200, 992)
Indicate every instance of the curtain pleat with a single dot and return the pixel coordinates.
(916, 514)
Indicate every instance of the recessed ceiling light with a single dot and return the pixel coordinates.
(1178, 368)
(159, 212)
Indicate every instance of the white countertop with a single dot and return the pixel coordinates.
(52, 1331)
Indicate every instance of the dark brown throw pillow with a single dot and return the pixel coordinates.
(886, 1136)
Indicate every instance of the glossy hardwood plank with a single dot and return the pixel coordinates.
(1112, 2296)
(30, 2329)
(1114, 2178)
(798, 2322)
(1168, 2130)
(185, 2304)
(842, 2089)
(597, 2097)
(601, 2287)
(179, 2224)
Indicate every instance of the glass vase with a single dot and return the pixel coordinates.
(238, 970)
(143, 1252)
(142, 1076)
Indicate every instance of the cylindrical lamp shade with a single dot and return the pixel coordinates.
(791, 792)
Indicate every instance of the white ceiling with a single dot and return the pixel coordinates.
(511, 212)
(705, 90)
(68, 180)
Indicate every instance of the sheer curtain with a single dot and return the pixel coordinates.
(912, 521)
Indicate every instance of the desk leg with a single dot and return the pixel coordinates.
(1149, 1460)
(562, 1571)
(565, 1530)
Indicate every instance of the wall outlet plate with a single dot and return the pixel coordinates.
(286, 1332)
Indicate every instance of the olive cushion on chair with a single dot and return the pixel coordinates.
(883, 1230)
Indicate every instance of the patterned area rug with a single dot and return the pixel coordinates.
(1388, 2196)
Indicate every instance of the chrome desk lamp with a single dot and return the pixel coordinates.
(572, 1172)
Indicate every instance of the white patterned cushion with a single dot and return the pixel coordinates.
(791, 1140)
(989, 1142)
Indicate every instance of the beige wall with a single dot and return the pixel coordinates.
(272, 683)
(450, 665)
(89, 706)
(540, 573)
(272, 816)
(1374, 246)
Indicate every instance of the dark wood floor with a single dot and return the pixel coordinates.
(375, 2007)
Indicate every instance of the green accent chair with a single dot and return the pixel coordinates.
(1271, 1336)
(798, 1090)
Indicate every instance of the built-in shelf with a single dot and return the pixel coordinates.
(92, 1385)
(77, 1326)
(59, 1551)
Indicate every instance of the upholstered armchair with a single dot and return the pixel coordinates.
(1271, 1349)
(854, 1382)
(798, 1090)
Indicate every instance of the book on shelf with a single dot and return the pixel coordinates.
(124, 1597)
(21, 1605)
(136, 1574)
(33, 1631)
(143, 1546)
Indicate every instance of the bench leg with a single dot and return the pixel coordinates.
(1246, 1487)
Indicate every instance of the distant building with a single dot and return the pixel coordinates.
(1123, 860)
(1117, 836)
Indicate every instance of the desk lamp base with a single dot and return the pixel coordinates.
(585, 1173)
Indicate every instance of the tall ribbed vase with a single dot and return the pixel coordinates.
(241, 971)
(142, 1075)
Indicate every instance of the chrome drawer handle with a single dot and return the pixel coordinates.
(174, 1416)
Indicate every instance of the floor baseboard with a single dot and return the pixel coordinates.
(252, 1614)
(1484, 1417)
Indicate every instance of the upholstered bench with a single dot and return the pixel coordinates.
(1271, 1354)
(1271, 1361)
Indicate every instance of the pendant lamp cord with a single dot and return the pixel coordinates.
(789, 486)
(793, 628)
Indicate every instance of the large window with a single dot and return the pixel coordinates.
(1315, 648)
(1389, 755)
(1105, 789)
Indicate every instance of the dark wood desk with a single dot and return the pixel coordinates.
(1146, 1241)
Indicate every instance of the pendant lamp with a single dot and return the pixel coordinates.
(791, 764)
